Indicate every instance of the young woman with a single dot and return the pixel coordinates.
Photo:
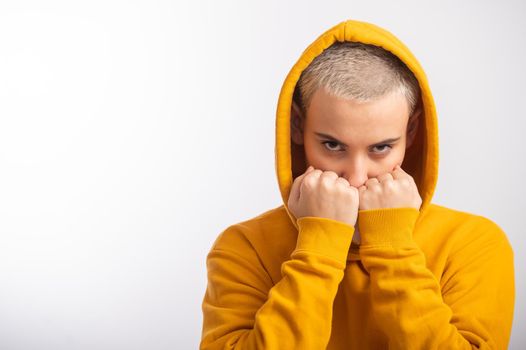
(358, 257)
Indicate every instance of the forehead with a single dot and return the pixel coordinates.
(339, 116)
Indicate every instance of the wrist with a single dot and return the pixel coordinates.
(387, 226)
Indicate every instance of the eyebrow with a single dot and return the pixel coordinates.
(391, 140)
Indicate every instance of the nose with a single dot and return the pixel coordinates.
(356, 173)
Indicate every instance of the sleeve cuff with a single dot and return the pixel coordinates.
(387, 226)
(325, 236)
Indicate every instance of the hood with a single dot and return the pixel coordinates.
(420, 161)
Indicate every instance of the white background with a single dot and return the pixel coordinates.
(132, 133)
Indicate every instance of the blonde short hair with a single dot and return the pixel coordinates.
(357, 71)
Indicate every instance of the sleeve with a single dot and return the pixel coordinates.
(243, 310)
(471, 307)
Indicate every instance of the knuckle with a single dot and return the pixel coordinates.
(342, 181)
(389, 185)
(376, 189)
(353, 192)
(329, 174)
(385, 177)
(369, 183)
(326, 183)
(308, 182)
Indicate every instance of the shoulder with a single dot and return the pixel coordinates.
(264, 241)
(267, 225)
(464, 229)
(473, 259)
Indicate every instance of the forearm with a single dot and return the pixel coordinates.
(296, 313)
(407, 298)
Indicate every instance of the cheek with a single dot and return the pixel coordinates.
(317, 157)
(396, 157)
(386, 164)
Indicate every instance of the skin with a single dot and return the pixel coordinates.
(353, 169)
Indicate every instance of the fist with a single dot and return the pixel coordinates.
(324, 194)
(391, 190)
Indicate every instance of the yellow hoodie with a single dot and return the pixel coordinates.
(433, 278)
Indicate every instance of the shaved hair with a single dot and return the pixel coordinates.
(357, 71)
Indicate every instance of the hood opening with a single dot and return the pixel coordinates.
(420, 160)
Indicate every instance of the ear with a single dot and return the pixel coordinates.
(297, 123)
(412, 126)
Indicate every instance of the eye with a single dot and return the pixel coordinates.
(329, 146)
(383, 148)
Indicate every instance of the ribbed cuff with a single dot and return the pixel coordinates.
(387, 226)
(325, 236)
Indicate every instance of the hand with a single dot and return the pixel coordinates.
(324, 194)
(391, 190)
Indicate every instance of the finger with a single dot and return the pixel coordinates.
(316, 173)
(362, 189)
(343, 181)
(296, 185)
(385, 177)
(399, 173)
(371, 182)
(330, 175)
(295, 189)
